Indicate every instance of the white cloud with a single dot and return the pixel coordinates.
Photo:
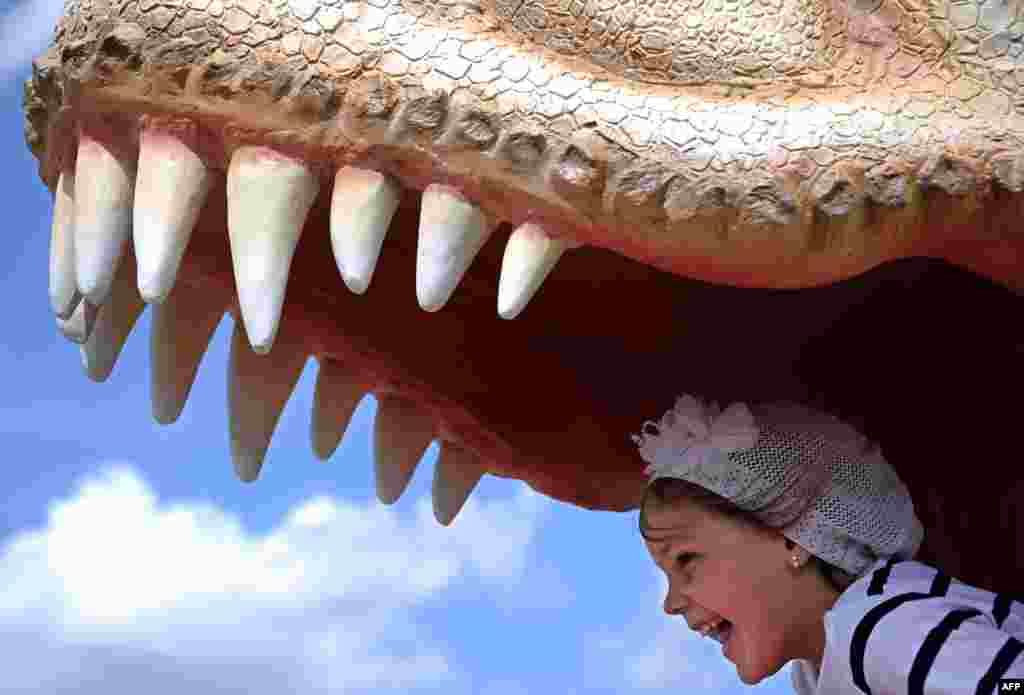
(25, 32)
(324, 602)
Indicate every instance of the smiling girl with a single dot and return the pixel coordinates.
(786, 536)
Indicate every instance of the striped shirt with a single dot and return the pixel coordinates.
(905, 628)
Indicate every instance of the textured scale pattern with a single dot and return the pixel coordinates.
(688, 41)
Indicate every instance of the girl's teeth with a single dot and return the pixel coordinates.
(709, 627)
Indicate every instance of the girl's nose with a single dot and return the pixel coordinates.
(675, 603)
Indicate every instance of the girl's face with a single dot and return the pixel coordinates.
(720, 567)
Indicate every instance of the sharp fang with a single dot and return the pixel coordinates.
(401, 433)
(529, 257)
(258, 388)
(269, 197)
(452, 232)
(104, 182)
(114, 323)
(182, 328)
(456, 474)
(64, 293)
(338, 393)
(170, 191)
(362, 205)
(79, 326)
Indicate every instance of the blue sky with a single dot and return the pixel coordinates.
(131, 556)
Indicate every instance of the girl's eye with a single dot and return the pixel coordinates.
(682, 558)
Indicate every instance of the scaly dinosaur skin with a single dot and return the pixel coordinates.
(771, 144)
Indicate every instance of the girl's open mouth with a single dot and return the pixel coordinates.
(722, 633)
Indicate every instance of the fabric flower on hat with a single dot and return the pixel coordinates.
(694, 434)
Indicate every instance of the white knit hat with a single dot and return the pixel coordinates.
(818, 480)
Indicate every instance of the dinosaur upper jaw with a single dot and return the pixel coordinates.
(551, 396)
(907, 144)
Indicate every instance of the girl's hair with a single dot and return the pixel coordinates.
(669, 492)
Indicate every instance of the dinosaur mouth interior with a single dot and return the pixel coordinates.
(924, 356)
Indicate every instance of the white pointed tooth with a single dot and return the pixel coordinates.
(104, 183)
(258, 388)
(362, 205)
(115, 321)
(452, 232)
(401, 433)
(182, 328)
(529, 257)
(456, 474)
(78, 327)
(63, 282)
(170, 191)
(269, 196)
(338, 392)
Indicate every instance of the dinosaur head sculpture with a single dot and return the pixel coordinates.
(526, 226)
